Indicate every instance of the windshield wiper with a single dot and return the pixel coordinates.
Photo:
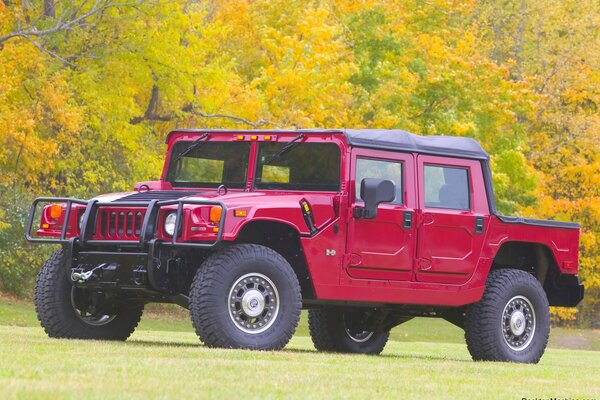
(194, 145)
(291, 144)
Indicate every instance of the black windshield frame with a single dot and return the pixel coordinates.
(235, 157)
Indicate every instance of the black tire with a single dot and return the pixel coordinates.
(329, 332)
(246, 296)
(511, 322)
(60, 319)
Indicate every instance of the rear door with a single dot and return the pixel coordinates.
(383, 247)
(453, 219)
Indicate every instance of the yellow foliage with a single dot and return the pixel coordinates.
(563, 315)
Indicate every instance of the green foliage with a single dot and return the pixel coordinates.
(19, 259)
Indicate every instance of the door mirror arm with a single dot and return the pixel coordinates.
(358, 212)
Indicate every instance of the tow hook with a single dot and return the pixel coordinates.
(84, 276)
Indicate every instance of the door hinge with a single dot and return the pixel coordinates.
(407, 220)
(479, 225)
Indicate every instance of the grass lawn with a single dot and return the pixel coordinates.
(164, 359)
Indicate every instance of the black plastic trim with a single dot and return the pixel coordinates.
(565, 291)
(489, 186)
(538, 222)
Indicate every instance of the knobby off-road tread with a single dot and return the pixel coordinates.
(320, 330)
(482, 324)
(56, 315)
(328, 333)
(212, 283)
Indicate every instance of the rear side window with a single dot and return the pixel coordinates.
(380, 169)
(446, 187)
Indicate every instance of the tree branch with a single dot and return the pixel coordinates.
(67, 22)
(50, 52)
(190, 108)
(151, 115)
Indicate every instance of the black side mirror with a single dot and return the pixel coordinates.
(375, 191)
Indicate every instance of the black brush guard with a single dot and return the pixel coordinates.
(148, 226)
(136, 251)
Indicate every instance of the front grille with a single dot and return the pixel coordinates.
(119, 224)
(122, 222)
(156, 195)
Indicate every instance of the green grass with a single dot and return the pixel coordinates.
(164, 359)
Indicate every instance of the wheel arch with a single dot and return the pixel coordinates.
(535, 258)
(538, 260)
(285, 240)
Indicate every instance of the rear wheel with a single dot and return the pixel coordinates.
(512, 320)
(65, 311)
(344, 332)
(246, 296)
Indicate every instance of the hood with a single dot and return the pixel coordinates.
(147, 196)
(269, 205)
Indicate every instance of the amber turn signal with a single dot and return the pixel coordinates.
(240, 213)
(215, 214)
(55, 211)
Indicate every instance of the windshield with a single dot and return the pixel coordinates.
(211, 165)
(306, 166)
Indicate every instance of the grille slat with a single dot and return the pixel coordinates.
(119, 223)
(112, 224)
(125, 223)
(129, 224)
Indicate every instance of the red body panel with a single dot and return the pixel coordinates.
(563, 243)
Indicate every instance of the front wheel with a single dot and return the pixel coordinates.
(511, 322)
(65, 311)
(245, 296)
(344, 332)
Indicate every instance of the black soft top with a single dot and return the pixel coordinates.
(399, 140)
(384, 139)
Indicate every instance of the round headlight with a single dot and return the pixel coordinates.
(170, 223)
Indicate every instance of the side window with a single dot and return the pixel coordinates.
(380, 169)
(446, 187)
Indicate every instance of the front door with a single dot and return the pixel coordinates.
(452, 221)
(383, 247)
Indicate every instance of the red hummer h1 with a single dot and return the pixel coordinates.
(364, 228)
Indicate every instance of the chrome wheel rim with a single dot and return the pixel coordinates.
(86, 314)
(356, 335)
(253, 303)
(518, 323)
